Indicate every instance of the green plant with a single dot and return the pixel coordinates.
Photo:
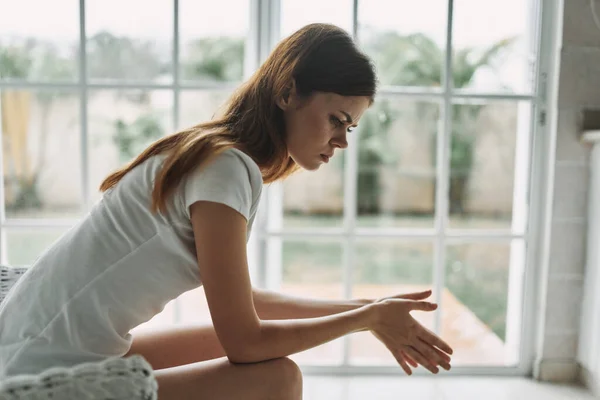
(119, 57)
(416, 60)
(219, 59)
(132, 138)
(372, 153)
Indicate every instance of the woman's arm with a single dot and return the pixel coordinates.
(272, 305)
(220, 236)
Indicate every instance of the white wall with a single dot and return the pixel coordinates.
(589, 339)
(563, 271)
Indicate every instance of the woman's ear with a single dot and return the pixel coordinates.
(288, 98)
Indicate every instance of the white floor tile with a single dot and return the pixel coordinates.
(428, 388)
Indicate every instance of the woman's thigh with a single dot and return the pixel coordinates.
(177, 346)
(278, 379)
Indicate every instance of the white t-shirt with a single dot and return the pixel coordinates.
(116, 268)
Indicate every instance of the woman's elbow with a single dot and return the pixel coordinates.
(243, 351)
(242, 356)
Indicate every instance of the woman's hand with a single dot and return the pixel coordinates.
(409, 341)
(407, 296)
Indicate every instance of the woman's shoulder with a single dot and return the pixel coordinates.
(243, 160)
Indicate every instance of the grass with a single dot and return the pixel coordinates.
(476, 273)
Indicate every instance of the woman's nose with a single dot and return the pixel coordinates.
(340, 142)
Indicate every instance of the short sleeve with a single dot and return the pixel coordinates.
(225, 180)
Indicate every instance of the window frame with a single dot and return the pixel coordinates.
(530, 157)
(263, 34)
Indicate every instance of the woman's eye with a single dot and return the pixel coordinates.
(351, 128)
(336, 121)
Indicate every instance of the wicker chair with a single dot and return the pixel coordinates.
(116, 378)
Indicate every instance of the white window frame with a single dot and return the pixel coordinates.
(263, 34)
(529, 183)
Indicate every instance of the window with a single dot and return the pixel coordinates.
(432, 192)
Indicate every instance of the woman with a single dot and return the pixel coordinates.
(179, 216)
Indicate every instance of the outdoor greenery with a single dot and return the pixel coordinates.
(480, 283)
(217, 59)
(132, 138)
(416, 60)
(23, 169)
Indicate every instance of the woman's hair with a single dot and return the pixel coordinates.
(317, 58)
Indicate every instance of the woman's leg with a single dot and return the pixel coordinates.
(278, 379)
(177, 346)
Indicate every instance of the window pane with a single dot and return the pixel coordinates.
(405, 39)
(200, 106)
(313, 269)
(122, 123)
(396, 167)
(387, 267)
(493, 47)
(38, 48)
(41, 153)
(213, 39)
(133, 43)
(483, 181)
(474, 317)
(24, 246)
(313, 199)
(296, 14)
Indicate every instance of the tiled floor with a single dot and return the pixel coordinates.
(446, 388)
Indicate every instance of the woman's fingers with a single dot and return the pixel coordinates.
(415, 296)
(422, 305)
(431, 353)
(409, 359)
(443, 356)
(432, 339)
(418, 357)
(402, 361)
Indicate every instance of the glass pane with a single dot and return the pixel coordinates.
(396, 164)
(34, 47)
(24, 246)
(475, 300)
(200, 106)
(406, 40)
(296, 14)
(388, 267)
(313, 199)
(122, 123)
(483, 183)
(213, 39)
(494, 44)
(313, 269)
(118, 48)
(41, 141)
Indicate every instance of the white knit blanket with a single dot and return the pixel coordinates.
(8, 277)
(115, 379)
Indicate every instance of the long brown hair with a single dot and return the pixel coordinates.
(317, 58)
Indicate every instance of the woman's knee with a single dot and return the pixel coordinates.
(288, 376)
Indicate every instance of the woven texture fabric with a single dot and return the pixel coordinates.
(8, 277)
(115, 379)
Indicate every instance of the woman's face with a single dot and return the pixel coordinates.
(317, 126)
